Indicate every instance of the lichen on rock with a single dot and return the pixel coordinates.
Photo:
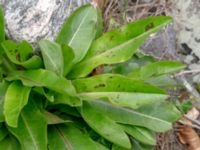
(34, 20)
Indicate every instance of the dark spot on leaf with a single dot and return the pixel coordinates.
(149, 26)
(118, 96)
(100, 85)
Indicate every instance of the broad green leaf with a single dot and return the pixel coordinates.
(131, 117)
(114, 83)
(164, 81)
(16, 98)
(104, 125)
(54, 119)
(52, 56)
(157, 69)
(119, 90)
(165, 111)
(2, 33)
(10, 143)
(68, 56)
(62, 137)
(141, 134)
(126, 99)
(66, 99)
(32, 128)
(118, 45)
(43, 78)
(3, 132)
(13, 53)
(79, 31)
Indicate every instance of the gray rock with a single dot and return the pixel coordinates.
(33, 20)
(187, 20)
(161, 45)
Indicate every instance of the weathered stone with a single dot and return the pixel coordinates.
(36, 19)
(161, 45)
(187, 20)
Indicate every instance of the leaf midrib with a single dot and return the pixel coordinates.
(78, 29)
(64, 139)
(121, 92)
(105, 107)
(52, 62)
(30, 132)
(140, 131)
(148, 116)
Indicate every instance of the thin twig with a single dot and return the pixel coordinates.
(189, 125)
(135, 10)
(192, 120)
(189, 87)
(108, 9)
(188, 72)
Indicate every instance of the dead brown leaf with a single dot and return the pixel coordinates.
(189, 137)
(186, 134)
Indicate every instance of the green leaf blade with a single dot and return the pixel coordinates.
(141, 134)
(157, 69)
(105, 126)
(12, 51)
(32, 129)
(131, 117)
(68, 56)
(52, 56)
(15, 99)
(79, 31)
(119, 90)
(70, 138)
(53, 119)
(43, 78)
(118, 45)
(113, 83)
(126, 99)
